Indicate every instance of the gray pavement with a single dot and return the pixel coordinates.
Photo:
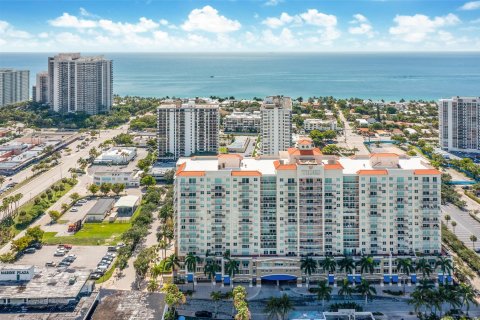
(351, 139)
(466, 225)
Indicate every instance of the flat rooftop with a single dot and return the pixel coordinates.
(47, 283)
(101, 206)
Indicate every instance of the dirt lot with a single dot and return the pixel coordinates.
(87, 256)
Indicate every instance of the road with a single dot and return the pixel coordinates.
(351, 139)
(466, 225)
(40, 183)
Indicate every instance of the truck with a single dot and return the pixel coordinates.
(74, 227)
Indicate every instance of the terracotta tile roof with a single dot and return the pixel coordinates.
(280, 166)
(245, 173)
(304, 141)
(372, 172)
(427, 171)
(298, 152)
(230, 155)
(336, 166)
(191, 174)
(181, 168)
(384, 155)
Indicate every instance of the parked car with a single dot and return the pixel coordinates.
(112, 249)
(203, 314)
(50, 264)
(100, 271)
(63, 264)
(36, 245)
(111, 254)
(59, 253)
(74, 210)
(109, 258)
(95, 276)
(65, 246)
(30, 250)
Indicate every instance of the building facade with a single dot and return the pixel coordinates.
(459, 124)
(276, 129)
(268, 212)
(14, 86)
(187, 128)
(248, 122)
(319, 124)
(113, 175)
(41, 88)
(80, 84)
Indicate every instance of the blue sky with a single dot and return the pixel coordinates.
(239, 25)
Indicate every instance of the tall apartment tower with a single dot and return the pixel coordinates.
(187, 128)
(459, 124)
(14, 86)
(80, 84)
(276, 128)
(41, 87)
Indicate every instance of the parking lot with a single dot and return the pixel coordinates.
(87, 257)
(72, 215)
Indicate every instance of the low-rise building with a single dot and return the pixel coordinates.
(126, 205)
(239, 145)
(362, 122)
(117, 156)
(99, 210)
(248, 122)
(319, 124)
(130, 178)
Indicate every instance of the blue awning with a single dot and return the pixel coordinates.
(190, 277)
(350, 278)
(386, 278)
(331, 279)
(218, 277)
(358, 278)
(449, 278)
(414, 278)
(394, 278)
(440, 277)
(226, 280)
(280, 277)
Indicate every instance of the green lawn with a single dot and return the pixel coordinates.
(91, 234)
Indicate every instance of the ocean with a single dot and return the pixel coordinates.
(389, 76)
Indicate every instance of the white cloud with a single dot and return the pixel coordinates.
(208, 19)
(85, 13)
(125, 28)
(475, 21)
(163, 22)
(272, 3)
(362, 26)
(285, 18)
(68, 21)
(472, 5)
(285, 38)
(315, 18)
(416, 28)
(9, 31)
(43, 35)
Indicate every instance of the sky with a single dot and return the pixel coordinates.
(239, 25)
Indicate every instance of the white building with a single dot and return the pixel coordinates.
(319, 124)
(41, 87)
(117, 155)
(276, 130)
(129, 178)
(80, 84)
(362, 122)
(459, 124)
(243, 122)
(187, 128)
(14, 86)
(269, 211)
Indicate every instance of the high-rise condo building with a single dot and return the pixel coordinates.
(41, 87)
(268, 212)
(276, 128)
(187, 128)
(80, 84)
(459, 124)
(14, 86)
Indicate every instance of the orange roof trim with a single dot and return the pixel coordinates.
(427, 171)
(191, 174)
(245, 173)
(304, 141)
(336, 166)
(181, 168)
(384, 155)
(372, 172)
(230, 155)
(280, 166)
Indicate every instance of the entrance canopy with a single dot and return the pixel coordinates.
(279, 277)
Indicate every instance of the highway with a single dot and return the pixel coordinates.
(40, 183)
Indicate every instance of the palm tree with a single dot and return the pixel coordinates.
(474, 239)
(2, 180)
(278, 307)
(171, 262)
(421, 296)
(157, 270)
(467, 295)
(324, 292)
(445, 265)
(454, 224)
(216, 297)
(346, 264)
(405, 266)
(231, 268)
(309, 266)
(210, 269)
(447, 218)
(328, 265)
(152, 285)
(449, 294)
(424, 267)
(191, 261)
(345, 289)
(285, 306)
(366, 263)
(366, 289)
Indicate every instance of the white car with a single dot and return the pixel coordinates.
(59, 253)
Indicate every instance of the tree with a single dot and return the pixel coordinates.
(171, 262)
(366, 290)
(105, 188)
(232, 268)
(346, 264)
(152, 285)
(447, 218)
(331, 149)
(454, 224)
(424, 267)
(216, 296)
(2, 180)
(21, 243)
(173, 297)
(147, 180)
(74, 196)
(118, 188)
(445, 265)
(191, 261)
(308, 266)
(54, 215)
(328, 264)
(467, 295)
(405, 266)
(168, 176)
(210, 269)
(345, 289)
(367, 264)
(36, 233)
(93, 188)
(474, 239)
(324, 292)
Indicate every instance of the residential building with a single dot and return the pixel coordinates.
(41, 87)
(268, 212)
(14, 86)
(319, 124)
(459, 124)
(247, 122)
(276, 130)
(187, 128)
(130, 178)
(80, 84)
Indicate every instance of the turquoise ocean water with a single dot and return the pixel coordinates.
(389, 76)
